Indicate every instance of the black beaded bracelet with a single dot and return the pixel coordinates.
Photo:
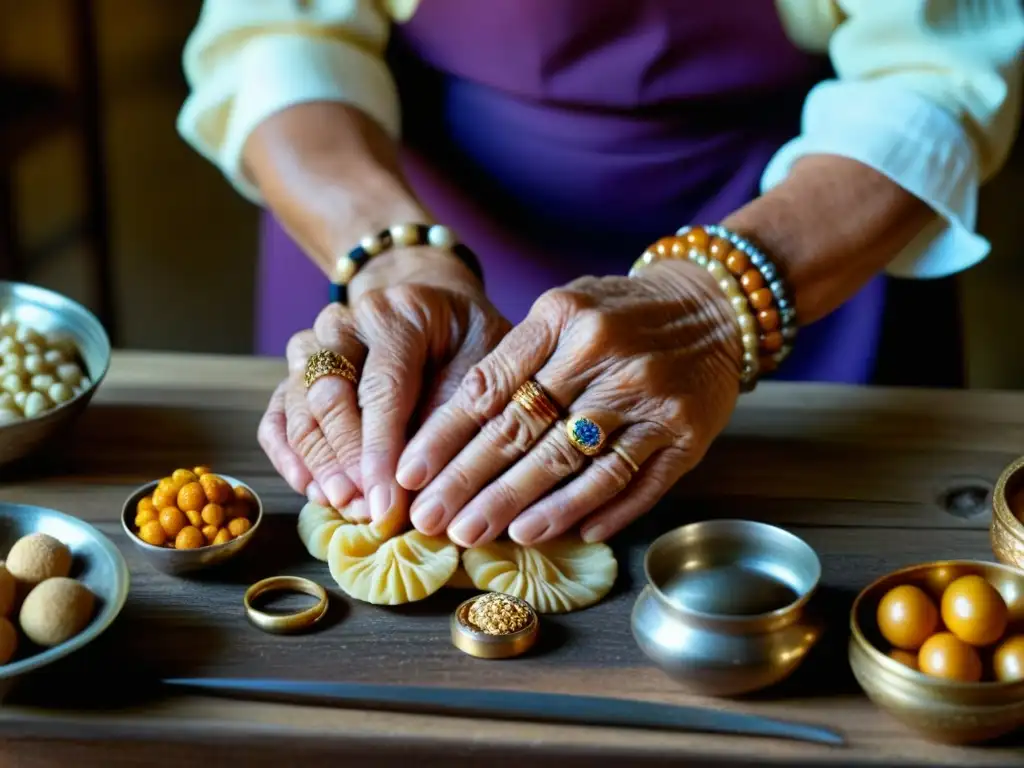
(399, 236)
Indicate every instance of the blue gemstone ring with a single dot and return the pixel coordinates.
(585, 435)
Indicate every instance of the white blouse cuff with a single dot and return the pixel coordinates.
(912, 141)
(275, 72)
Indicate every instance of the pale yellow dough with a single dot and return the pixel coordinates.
(316, 526)
(460, 580)
(554, 577)
(374, 568)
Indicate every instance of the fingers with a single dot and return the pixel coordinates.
(655, 478)
(333, 403)
(388, 391)
(273, 438)
(607, 476)
(483, 394)
(553, 459)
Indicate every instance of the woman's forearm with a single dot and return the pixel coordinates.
(830, 227)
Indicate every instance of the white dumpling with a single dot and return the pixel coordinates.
(390, 571)
(317, 524)
(555, 577)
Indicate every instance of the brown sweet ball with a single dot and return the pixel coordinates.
(153, 533)
(189, 537)
(37, 557)
(55, 611)
(8, 641)
(217, 489)
(173, 520)
(213, 514)
(191, 497)
(8, 590)
(238, 526)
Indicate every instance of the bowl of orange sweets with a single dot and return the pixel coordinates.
(192, 519)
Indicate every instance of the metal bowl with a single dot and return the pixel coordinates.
(941, 710)
(1007, 530)
(47, 311)
(178, 562)
(96, 563)
(724, 609)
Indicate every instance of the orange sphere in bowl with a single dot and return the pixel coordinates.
(974, 611)
(947, 656)
(907, 617)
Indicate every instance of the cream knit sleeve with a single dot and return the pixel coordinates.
(247, 59)
(928, 93)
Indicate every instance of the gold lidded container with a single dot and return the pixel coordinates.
(494, 626)
(1007, 530)
(944, 711)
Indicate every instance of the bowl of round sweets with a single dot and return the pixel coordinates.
(53, 355)
(192, 519)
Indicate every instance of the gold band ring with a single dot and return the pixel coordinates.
(328, 363)
(586, 435)
(626, 457)
(534, 400)
(290, 622)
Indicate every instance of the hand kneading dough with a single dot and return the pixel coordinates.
(37, 557)
(390, 571)
(55, 611)
(317, 524)
(8, 587)
(555, 577)
(8, 641)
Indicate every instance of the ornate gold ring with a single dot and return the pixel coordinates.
(535, 401)
(328, 363)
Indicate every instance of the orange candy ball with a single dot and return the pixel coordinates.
(172, 520)
(223, 536)
(189, 537)
(974, 611)
(906, 658)
(153, 533)
(947, 656)
(217, 489)
(1008, 660)
(238, 526)
(213, 514)
(907, 617)
(191, 497)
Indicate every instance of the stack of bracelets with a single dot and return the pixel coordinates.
(399, 236)
(764, 311)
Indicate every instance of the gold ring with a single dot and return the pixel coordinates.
(626, 457)
(328, 363)
(586, 435)
(534, 400)
(290, 622)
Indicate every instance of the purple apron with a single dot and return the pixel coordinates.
(559, 138)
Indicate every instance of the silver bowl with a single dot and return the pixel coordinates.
(47, 311)
(177, 562)
(96, 563)
(724, 608)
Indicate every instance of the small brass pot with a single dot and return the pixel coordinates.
(940, 710)
(724, 608)
(1007, 531)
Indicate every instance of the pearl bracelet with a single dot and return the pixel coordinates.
(399, 236)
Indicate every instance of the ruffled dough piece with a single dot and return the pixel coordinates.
(374, 568)
(317, 525)
(555, 577)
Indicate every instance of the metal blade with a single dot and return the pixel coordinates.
(514, 705)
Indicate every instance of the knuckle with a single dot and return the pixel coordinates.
(559, 458)
(563, 303)
(332, 326)
(614, 475)
(479, 394)
(509, 430)
(596, 330)
(377, 387)
(505, 497)
(300, 346)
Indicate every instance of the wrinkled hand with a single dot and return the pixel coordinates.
(654, 360)
(411, 343)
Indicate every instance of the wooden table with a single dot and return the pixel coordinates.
(873, 479)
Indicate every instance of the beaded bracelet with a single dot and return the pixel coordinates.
(399, 236)
(763, 290)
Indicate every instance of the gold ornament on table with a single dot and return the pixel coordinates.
(500, 614)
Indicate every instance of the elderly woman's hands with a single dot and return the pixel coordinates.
(417, 322)
(653, 360)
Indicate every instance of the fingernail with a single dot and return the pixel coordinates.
(593, 534)
(526, 530)
(316, 494)
(380, 502)
(339, 491)
(358, 510)
(412, 474)
(466, 531)
(427, 516)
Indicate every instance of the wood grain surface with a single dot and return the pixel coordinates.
(872, 479)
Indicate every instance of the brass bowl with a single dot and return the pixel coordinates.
(941, 710)
(724, 611)
(47, 311)
(96, 562)
(1007, 530)
(178, 562)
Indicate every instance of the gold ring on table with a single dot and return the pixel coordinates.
(625, 457)
(534, 400)
(585, 434)
(328, 363)
(289, 622)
